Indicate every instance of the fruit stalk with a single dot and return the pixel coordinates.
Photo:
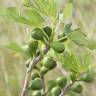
(30, 69)
(67, 88)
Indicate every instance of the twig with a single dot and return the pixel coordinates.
(66, 89)
(29, 70)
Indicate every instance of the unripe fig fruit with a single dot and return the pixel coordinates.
(48, 31)
(36, 84)
(44, 70)
(33, 45)
(57, 47)
(51, 84)
(61, 81)
(37, 34)
(36, 93)
(27, 50)
(35, 75)
(49, 62)
(88, 77)
(56, 91)
(78, 88)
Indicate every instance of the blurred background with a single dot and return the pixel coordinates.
(12, 68)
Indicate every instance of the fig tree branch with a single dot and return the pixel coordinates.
(30, 69)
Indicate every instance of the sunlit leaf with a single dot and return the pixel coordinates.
(68, 10)
(32, 17)
(46, 7)
(81, 39)
(15, 47)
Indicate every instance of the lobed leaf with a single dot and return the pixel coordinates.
(68, 10)
(32, 17)
(15, 47)
(81, 39)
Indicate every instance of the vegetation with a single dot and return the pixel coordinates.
(48, 49)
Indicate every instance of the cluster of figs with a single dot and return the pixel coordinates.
(54, 87)
(43, 35)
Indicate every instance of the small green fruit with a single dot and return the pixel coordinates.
(88, 77)
(36, 84)
(27, 51)
(36, 93)
(48, 31)
(37, 34)
(35, 75)
(33, 46)
(51, 84)
(43, 70)
(49, 62)
(56, 91)
(61, 81)
(57, 47)
(78, 88)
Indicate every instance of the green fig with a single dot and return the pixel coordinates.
(78, 88)
(37, 34)
(49, 62)
(56, 91)
(61, 81)
(57, 47)
(43, 70)
(35, 75)
(51, 84)
(88, 77)
(48, 31)
(36, 84)
(33, 46)
(36, 93)
(27, 50)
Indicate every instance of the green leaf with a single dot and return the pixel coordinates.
(33, 16)
(15, 47)
(29, 16)
(46, 7)
(81, 39)
(68, 10)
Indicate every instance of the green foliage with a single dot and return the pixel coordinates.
(81, 39)
(68, 10)
(34, 13)
(30, 16)
(48, 7)
(15, 47)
